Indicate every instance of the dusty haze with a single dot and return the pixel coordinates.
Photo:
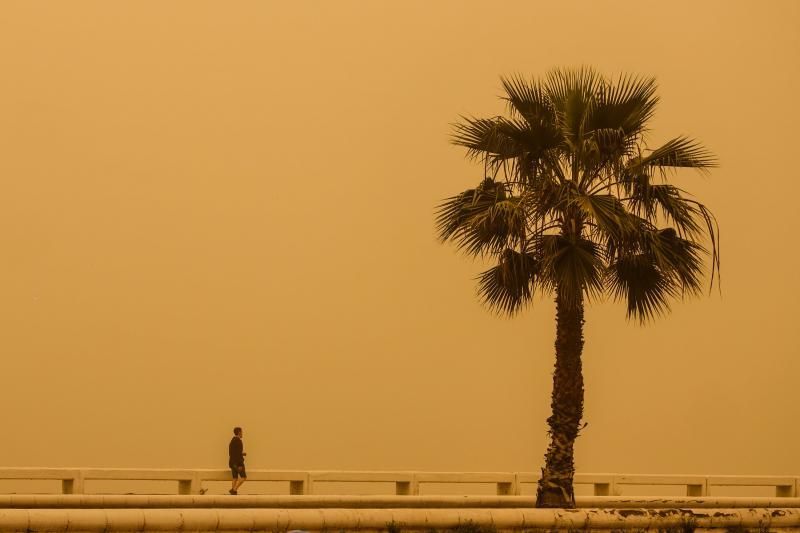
(217, 214)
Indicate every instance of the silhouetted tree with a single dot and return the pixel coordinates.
(574, 205)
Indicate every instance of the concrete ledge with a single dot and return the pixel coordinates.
(137, 474)
(785, 486)
(750, 480)
(362, 476)
(465, 477)
(660, 479)
(39, 473)
(109, 501)
(90, 520)
(252, 475)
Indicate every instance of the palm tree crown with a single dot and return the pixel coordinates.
(573, 200)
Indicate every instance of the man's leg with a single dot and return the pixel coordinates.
(234, 480)
(242, 477)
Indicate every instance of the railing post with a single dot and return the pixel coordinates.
(298, 487)
(407, 488)
(602, 484)
(191, 485)
(697, 490)
(602, 489)
(506, 488)
(184, 486)
(73, 485)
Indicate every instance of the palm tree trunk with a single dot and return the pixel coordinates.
(555, 486)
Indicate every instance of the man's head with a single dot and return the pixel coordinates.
(237, 431)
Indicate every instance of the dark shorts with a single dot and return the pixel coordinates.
(238, 471)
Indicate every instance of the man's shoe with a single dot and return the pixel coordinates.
(233, 492)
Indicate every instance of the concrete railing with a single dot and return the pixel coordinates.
(406, 483)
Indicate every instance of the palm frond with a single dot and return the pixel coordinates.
(713, 234)
(499, 138)
(638, 281)
(529, 100)
(649, 200)
(501, 225)
(627, 105)
(691, 218)
(678, 152)
(454, 212)
(485, 137)
(613, 143)
(572, 95)
(547, 198)
(572, 264)
(608, 214)
(678, 258)
(482, 220)
(508, 286)
(561, 83)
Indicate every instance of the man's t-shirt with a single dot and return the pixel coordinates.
(235, 449)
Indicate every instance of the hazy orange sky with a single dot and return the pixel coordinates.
(221, 213)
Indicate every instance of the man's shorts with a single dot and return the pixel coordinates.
(238, 471)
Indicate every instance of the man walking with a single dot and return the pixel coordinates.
(236, 460)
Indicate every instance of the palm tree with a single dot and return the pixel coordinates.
(575, 206)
